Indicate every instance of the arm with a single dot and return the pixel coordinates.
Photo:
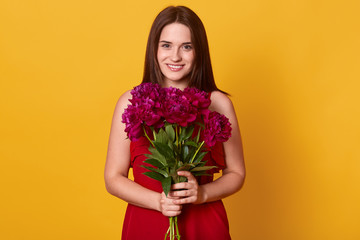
(117, 168)
(233, 175)
(118, 163)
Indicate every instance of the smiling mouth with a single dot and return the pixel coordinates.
(175, 68)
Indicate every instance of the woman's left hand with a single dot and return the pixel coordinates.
(189, 192)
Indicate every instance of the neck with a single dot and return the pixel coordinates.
(181, 84)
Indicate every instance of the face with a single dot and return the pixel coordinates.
(175, 54)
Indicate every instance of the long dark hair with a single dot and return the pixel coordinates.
(201, 76)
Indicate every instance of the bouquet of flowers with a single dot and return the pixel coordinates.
(177, 124)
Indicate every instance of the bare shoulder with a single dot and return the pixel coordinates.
(220, 102)
(124, 98)
(123, 101)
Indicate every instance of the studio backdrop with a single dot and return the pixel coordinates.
(292, 69)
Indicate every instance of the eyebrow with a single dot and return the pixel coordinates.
(171, 42)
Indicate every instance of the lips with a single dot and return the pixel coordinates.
(175, 68)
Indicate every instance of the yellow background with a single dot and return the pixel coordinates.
(292, 68)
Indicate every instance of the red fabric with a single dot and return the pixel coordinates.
(196, 222)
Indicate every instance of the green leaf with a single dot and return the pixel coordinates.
(191, 143)
(190, 155)
(166, 185)
(182, 134)
(204, 168)
(161, 136)
(154, 175)
(202, 173)
(186, 133)
(170, 132)
(185, 152)
(185, 167)
(156, 155)
(198, 136)
(199, 164)
(162, 172)
(179, 164)
(199, 157)
(171, 145)
(164, 150)
(189, 131)
(154, 162)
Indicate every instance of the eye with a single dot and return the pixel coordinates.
(165, 45)
(187, 47)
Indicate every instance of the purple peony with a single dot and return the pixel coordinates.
(198, 99)
(145, 91)
(152, 105)
(149, 113)
(144, 108)
(133, 123)
(217, 129)
(176, 108)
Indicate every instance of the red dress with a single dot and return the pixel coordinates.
(196, 221)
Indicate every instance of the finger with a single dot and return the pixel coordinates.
(168, 198)
(172, 207)
(184, 185)
(187, 174)
(171, 213)
(182, 193)
(185, 200)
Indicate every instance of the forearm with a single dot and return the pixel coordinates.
(133, 193)
(228, 184)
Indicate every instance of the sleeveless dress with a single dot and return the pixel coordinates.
(196, 221)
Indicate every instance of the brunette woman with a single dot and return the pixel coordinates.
(177, 55)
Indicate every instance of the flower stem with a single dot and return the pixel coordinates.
(167, 233)
(202, 143)
(177, 229)
(148, 136)
(177, 135)
(173, 229)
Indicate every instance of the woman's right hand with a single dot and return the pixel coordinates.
(168, 208)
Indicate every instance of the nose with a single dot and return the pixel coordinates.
(176, 55)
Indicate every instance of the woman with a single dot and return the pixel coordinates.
(178, 56)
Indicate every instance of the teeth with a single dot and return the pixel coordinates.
(173, 66)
